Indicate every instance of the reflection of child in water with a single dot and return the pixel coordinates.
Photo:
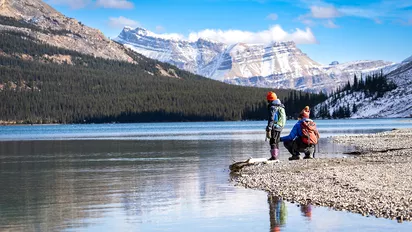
(306, 211)
(277, 212)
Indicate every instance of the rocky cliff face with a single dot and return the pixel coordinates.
(76, 36)
(279, 65)
(24, 8)
(197, 57)
(221, 61)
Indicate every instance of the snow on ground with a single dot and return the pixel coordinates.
(396, 103)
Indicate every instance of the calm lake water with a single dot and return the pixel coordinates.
(158, 177)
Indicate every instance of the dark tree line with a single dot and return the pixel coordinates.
(96, 90)
(9, 21)
(374, 86)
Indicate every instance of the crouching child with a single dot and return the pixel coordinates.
(302, 138)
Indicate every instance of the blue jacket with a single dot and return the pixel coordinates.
(295, 132)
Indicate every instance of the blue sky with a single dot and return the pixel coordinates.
(325, 30)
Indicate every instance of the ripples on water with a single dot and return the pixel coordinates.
(156, 177)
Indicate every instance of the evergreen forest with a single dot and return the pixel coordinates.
(35, 89)
(372, 86)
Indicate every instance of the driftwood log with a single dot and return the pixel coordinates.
(235, 167)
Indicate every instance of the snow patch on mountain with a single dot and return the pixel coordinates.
(277, 65)
(393, 104)
(145, 33)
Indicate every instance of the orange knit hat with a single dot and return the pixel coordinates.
(271, 96)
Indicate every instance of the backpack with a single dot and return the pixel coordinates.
(310, 134)
(279, 116)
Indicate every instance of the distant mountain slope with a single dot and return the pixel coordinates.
(407, 60)
(41, 83)
(48, 25)
(279, 65)
(394, 103)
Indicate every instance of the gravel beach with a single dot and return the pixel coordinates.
(375, 182)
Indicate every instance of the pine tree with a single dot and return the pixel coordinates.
(355, 83)
(354, 108)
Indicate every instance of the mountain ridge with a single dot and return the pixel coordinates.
(394, 103)
(277, 65)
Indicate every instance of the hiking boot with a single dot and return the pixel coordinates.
(294, 158)
(308, 156)
(274, 154)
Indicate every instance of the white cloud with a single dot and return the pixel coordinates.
(378, 21)
(272, 16)
(171, 36)
(274, 34)
(360, 12)
(321, 14)
(74, 4)
(378, 11)
(168, 36)
(121, 21)
(116, 4)
(308, 22)
(330, 24)
(324, 12)
(160, 28)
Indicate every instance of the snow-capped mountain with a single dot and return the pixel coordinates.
(278, 65)
(326, 78)
(220, 61)
(195, 57)
(395, 103)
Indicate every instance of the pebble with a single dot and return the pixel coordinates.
(377, 183)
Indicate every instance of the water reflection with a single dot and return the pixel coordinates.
(246, 130)
(150, 185)
(277, 213)
(55, 185)
(306, 211)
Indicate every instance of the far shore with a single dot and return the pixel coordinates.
(25, 123)
(378, 182)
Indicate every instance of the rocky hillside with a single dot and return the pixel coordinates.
(394, 103)
(279, 65)
(50, 26)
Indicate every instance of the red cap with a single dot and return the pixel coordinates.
(305, 112)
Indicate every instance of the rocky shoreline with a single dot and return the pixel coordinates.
(377, 182)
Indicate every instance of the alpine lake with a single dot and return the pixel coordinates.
(160, 177)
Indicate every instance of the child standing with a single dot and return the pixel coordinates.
(276, 122)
